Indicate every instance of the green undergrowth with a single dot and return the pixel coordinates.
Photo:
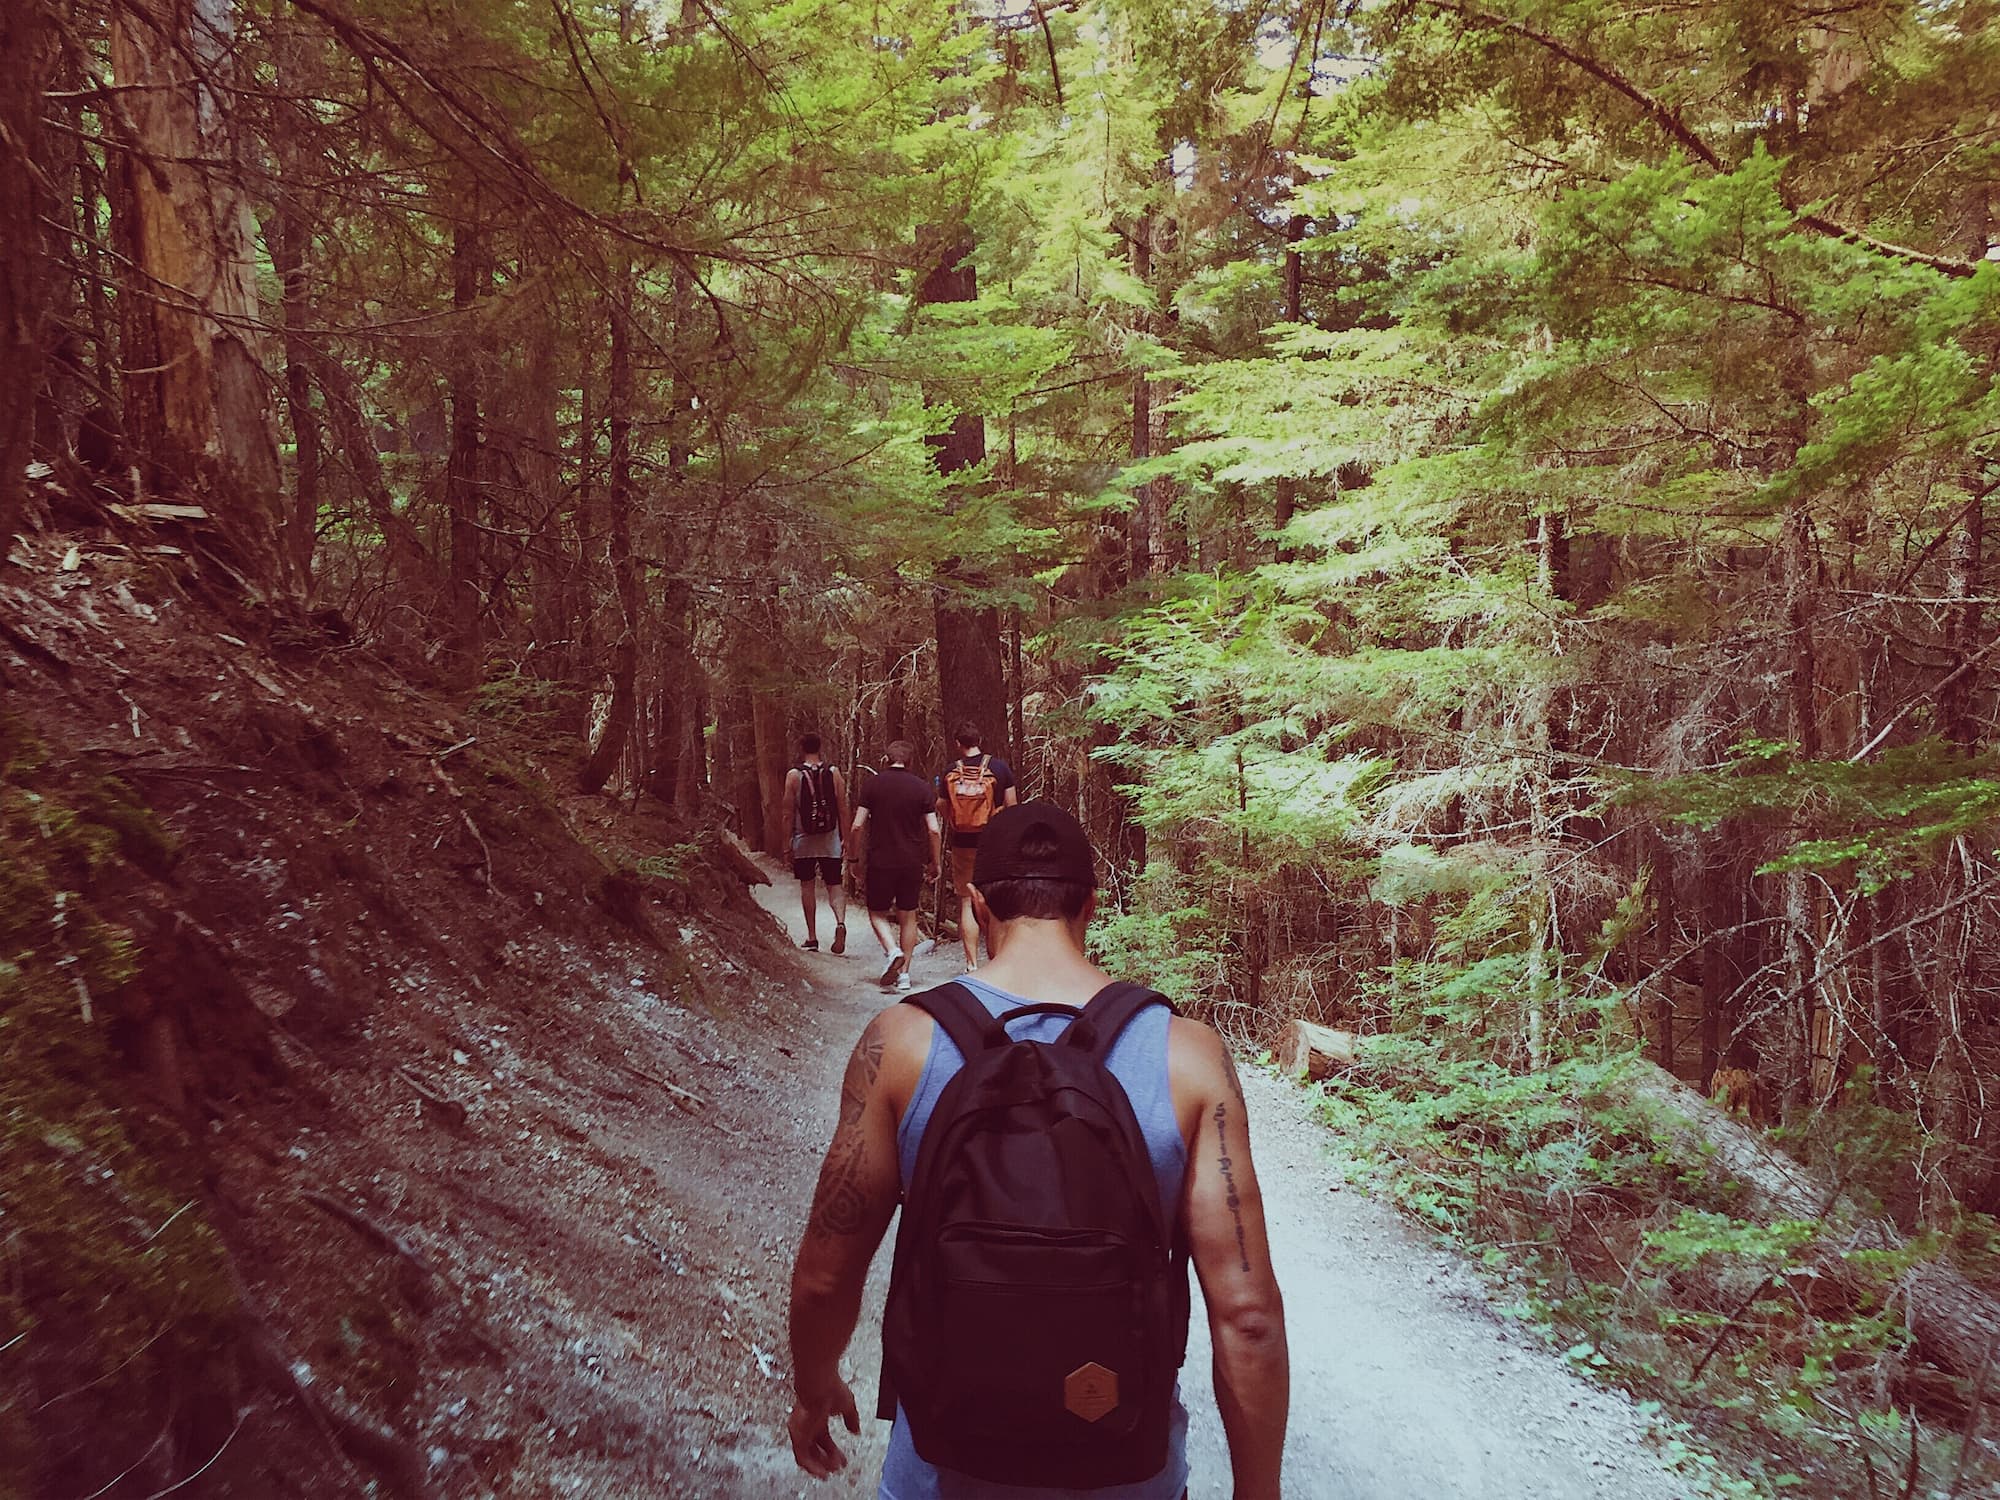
(1611, 1233)
(113, 1284)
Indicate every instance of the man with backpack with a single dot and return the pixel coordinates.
(896, 842)
(972, 789)
(1061, 1146)
(816, 812)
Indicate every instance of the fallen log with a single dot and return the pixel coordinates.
(1310, 1052)
(1956, 1325)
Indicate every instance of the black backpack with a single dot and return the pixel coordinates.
(815, 802)
(1038, 1306)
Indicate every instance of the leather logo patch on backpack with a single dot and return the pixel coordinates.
(1091, 1391)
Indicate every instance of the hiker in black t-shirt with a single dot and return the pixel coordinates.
(897, 841)
(972, 789)
(816, 813)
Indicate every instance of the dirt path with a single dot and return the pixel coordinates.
(1404, 1383)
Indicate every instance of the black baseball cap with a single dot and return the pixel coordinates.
(1000, 856)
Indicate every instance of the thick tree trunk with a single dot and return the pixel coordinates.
(25, 43)
(188, 231)
(767, 726)
(971, 684)
(677, 732)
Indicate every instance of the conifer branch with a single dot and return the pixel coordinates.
(1684, 135)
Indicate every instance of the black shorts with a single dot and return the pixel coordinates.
(828, 870)
(893, 888)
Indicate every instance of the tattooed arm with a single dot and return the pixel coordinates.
(858, 1188)
(1225, 1224)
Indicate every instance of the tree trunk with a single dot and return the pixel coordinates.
(289, 236)
(188, 231)
(1958, 696)
(1804, 1058)
(1543, 979)
(738, 741)
(677, 735)
(291, 250)
(1295, 311)
(677, 750)
(895, 712)
(767, 728)
(538, 460)
(26, 43)
(971, 684)
(1956, 1325)
(1139, 523)
(464, 606)
(58, 154)
(618, 507)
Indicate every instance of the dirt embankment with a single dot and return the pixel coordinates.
(374, 1118)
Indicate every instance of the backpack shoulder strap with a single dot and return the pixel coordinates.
(1109, 1012)
(969, 1024)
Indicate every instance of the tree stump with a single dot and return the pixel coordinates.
(1312, 1052)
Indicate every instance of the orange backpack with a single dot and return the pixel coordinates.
(968, 794)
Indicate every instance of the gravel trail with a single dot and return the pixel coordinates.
(1404, 1382)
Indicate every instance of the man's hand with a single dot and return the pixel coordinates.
(812, 1434)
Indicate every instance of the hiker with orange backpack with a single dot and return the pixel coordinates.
(969, 792)
(816, 812)
(1062, 1145)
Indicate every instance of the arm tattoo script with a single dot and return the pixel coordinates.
(1229, 1182)
(839, 1206)
(1235, 1082)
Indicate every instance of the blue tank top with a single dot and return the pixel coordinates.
(1138, 1061)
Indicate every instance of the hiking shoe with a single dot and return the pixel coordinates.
(896, 962)
(839, 938)
(903, 982)
(811, 945)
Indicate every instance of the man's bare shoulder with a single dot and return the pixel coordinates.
(1197, 1052)
(903, 1033)
(1200, 1070)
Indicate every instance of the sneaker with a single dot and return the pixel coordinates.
(811, 945)
(894, 968)
(839, 938)
(903, 982)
